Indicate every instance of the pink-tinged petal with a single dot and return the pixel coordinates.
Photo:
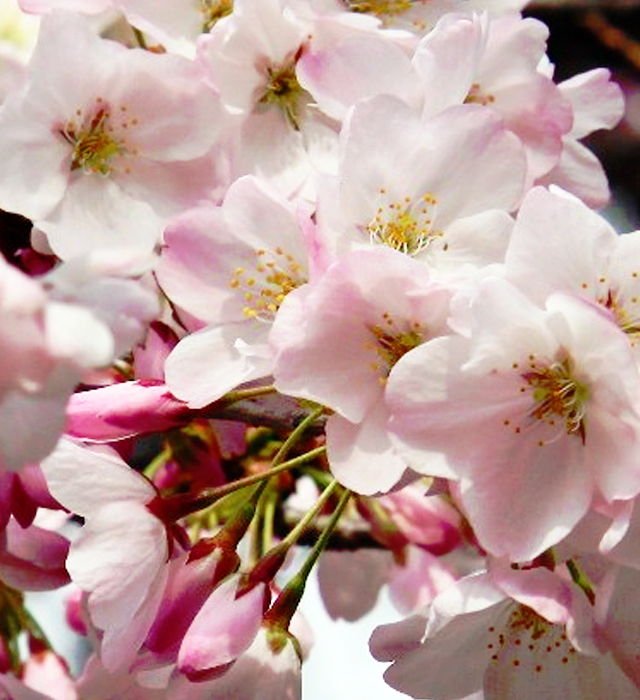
(389, 642)
(39, 7)
(28, 152)
(304, 368)
(541, 125)
(118, 557)
(120, 642)
(429, 408)
(447, 60)
(197, 262)
(372, 305)
(598, 103)
(424, 519)
(464, 637)
(479, 240)
(207, 364)
(580, 172)
(169, 187)
(539, 589)
(268, 670)
(515, 50)
(262, 218)
(361, 455)
(19, 691)
(178, 116)
(418, 580)
(622, 523)
(74, 333)
(34, 559)
(477, 165)
(612, 438)
(49, 673)
(30, 424)
(224, 628)
(350, 582)
(355, 68)
(85, 479)
(542, 262)
(95, 213)
(123, 410)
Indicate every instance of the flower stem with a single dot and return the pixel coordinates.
(281, 612)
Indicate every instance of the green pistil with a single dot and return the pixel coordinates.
(93, 146)
(379, 8)
(285, 92)
(212, 11)
(558, 393)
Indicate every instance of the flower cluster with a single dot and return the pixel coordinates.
(322, 273)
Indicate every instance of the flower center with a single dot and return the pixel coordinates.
(380, 8)
(391, 341)
(477, 96)
(265, 286)
(528, 641)
(214, 10)
(624, 314)
(93, 138)
(404, 226)
(283, 90)
(558, 394)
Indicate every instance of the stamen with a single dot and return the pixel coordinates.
(283, 90)
(93, 137)
(405, 226)
(380, 8)
(624, 314)
(477, 96)
(265, 285)
(557, 393)
(212, 11)
(528, 641)
(392, 340)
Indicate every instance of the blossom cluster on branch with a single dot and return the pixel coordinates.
(324, 276)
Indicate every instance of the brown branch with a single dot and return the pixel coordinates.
(585, 4)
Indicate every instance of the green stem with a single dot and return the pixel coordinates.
(176, 507)
(304, 523)
(281, 612)
(296, 434)
(271, 500)
(243, 395)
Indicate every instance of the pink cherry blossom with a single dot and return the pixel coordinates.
(598, 103)
(375, 305)
(559, 244)
(550, 398)
(231, 267)
(120, 556)
(45, 345)
(102, 156)
(225, 627)
(496, 65)
(439, 190)
(513, 633)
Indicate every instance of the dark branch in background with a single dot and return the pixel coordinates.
(584, 4)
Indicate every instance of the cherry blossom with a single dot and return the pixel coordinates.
(101, 157)
(376, 305)
(232, 267)
(440, 191)
(125, 584)
(555, 413)
(511, 642)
